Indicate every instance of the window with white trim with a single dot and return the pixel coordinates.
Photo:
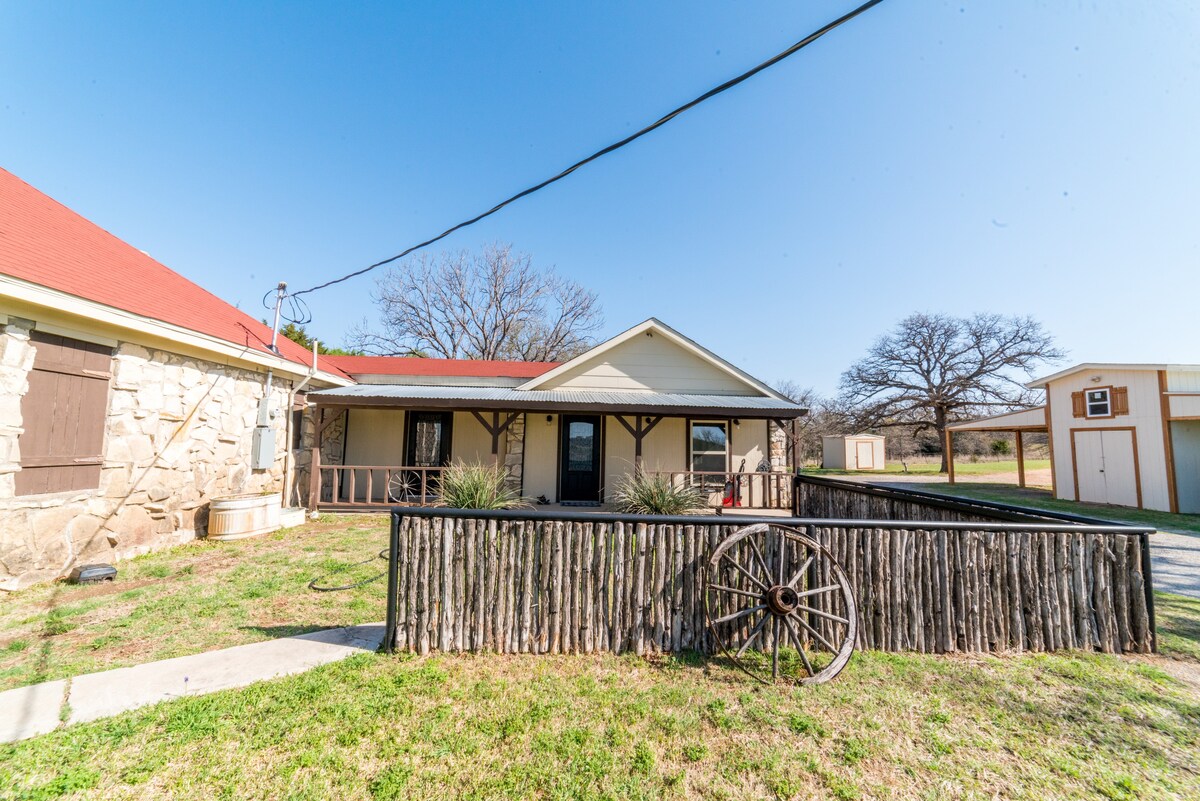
(710, 446)
(1098, 402)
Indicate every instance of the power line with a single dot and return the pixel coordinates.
(807, 40)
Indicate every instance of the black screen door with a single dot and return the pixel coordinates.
(580, 450)
(429, 439)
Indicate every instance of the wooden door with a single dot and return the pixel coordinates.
(1120, 473)
(1105, 467)
(864, 455)
(579, 454)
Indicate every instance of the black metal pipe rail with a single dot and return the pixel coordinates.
(1000, 511)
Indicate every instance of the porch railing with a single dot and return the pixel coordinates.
(743, 490)
(376, 485)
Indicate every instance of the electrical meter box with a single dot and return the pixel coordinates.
(262, 448)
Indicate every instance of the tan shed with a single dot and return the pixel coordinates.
(853, 452)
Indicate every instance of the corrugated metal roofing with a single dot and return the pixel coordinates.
(401, 395)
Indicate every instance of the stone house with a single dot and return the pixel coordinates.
(129, 396)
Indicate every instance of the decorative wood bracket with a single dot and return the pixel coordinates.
(495, 428)
(638, 431)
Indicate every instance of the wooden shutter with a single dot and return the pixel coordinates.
(1078, 405)
(1120, 400)
(63, 415)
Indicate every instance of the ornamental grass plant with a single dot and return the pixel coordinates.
(464, 485)
(655, 494)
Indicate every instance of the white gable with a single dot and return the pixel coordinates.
(651, 357)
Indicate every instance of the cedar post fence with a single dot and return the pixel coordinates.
(559, 582)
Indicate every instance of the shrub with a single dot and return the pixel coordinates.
(476, 486)
(655, 494)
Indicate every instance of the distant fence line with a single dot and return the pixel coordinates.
(559, 582)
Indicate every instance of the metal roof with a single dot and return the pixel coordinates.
(503, 398)
(1034, 418)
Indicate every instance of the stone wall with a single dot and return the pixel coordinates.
(780, 452)
(178, 433)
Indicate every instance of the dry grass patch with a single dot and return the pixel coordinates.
(192, 598)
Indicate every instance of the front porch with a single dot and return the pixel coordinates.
(376, 454)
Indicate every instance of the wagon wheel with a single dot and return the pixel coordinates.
(403, 486)
(778, 604)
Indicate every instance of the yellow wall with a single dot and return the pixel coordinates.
(470, 442)
(541, 456)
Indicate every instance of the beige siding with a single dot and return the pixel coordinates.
(618, 455)
(651, 363)
(541, 456)
(749, 442)
(1183, 381)
(1145, 416)
(833, 453)
(375, 436)
(1185, 405)
(470, 442)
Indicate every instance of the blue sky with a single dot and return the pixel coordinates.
(1019, 157)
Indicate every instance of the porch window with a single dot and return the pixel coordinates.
(710, 447)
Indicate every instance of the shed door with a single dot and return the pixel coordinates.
(1185, 443)
(1105, 466)
(864, 455)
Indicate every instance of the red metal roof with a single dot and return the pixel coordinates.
(44, 242)
(408, 365)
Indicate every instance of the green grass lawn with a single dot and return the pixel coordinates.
(1060, 726)
(192, 598)
(961, 467)
(1042, 499)
(1069, 725)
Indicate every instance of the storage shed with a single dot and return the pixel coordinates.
(853, 452)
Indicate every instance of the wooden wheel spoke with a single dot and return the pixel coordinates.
(762, 563)
(818, 590)
(816, 635)
(803, 569)
(739, 614)
(799, 647)
(821, 613)
(721, 588)
(775, 649)
(753, 633)
(782, 560)
(744, 572)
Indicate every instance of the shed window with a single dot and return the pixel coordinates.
(1099, 403)
(710, 447)
(63, 416)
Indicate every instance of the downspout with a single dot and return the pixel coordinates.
(291, 458)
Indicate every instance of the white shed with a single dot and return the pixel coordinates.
(853, 452)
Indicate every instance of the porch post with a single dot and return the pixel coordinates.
(1020, 460)
(314, 479)
(950, 454)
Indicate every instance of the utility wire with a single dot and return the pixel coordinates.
(807, 40)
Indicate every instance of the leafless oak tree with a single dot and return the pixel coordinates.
(934, 369)
(490, 305)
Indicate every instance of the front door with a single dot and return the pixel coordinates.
(580, 457)
(428, 446)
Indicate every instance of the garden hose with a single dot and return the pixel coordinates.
(312, 585)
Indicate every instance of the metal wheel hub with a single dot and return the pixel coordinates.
(782, 600)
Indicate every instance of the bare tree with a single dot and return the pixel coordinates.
(825, 417)
(490, 305)
(933, 370)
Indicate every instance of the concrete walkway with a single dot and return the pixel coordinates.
(40, 708)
